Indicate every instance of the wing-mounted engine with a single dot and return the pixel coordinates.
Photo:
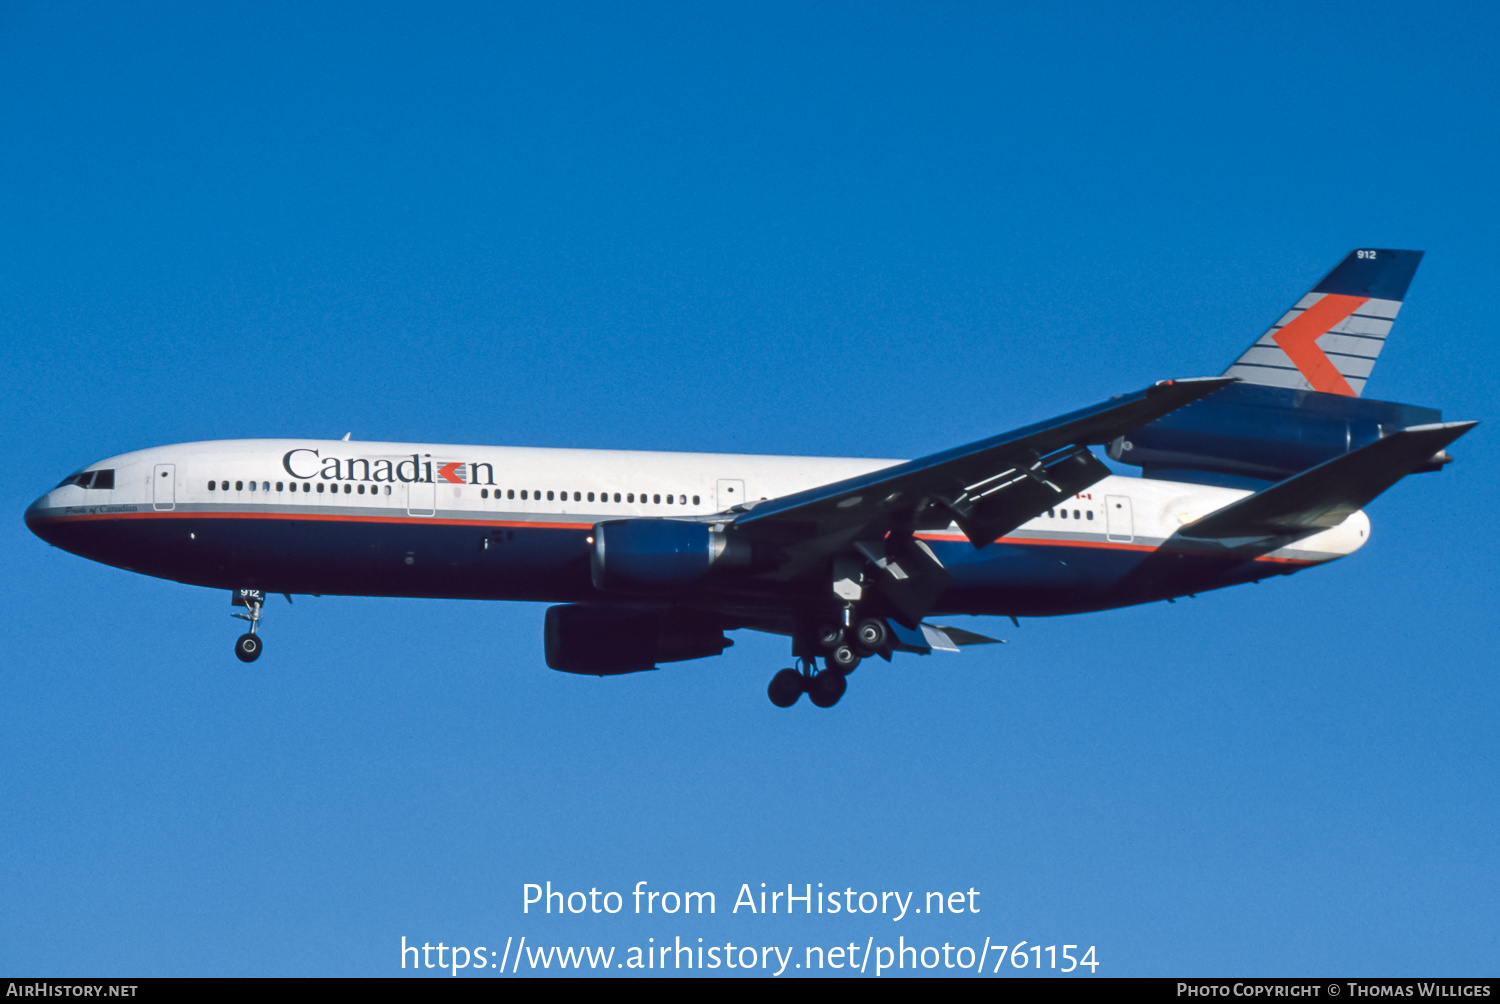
(600, 639)
(657, 556)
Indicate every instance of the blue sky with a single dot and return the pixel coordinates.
(875, 230)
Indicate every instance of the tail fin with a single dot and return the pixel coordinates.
(1329, 340)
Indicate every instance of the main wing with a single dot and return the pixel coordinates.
(988, 488)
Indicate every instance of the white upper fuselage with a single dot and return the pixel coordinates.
(581, 487)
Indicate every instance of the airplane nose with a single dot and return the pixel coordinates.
(36, 520)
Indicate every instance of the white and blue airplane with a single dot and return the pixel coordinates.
(652, 557)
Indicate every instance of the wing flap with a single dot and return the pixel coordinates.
(925, 638)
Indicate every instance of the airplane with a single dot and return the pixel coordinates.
(651, 557)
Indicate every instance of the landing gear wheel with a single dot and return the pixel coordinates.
(870, 635)
(786, 686)
(247, 647)
(826, 688)
(843, 660)
(829, 635)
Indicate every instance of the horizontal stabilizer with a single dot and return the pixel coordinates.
(1326, 495)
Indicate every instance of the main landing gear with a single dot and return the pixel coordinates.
(248, 645)
(822, 688)
(843, 649)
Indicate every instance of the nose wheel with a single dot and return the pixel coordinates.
(248, 645)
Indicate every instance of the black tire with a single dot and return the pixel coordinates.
(785, 688)
(247, 647)
(829, 636)
(843, 660)
(871, 635)
(826, 689)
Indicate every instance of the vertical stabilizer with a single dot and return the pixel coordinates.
(1329, 340)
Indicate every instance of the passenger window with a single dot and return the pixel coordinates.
(669, 500)
(321, 488)
(280, 486)
(617, 496)
(239, 486)
(512, 494)
(591, 496)
(1051, 514)
(1091, 514)
(549, 497)
(211, 486)
(695, 500)
(630, 497)
(656, 499)
(523, 495)
(1075, 514)
(307, 486)
(484, 493)
(361, 489)
(1062, 514)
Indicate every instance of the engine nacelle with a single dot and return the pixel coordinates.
(1266, 433)
(599, 639)
(660, 555)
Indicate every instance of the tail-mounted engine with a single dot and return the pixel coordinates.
(1267, 433)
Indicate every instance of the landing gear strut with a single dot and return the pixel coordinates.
(248, 645)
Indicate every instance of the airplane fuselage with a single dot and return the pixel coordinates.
(499, 523)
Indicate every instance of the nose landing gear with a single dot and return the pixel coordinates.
(247, 646)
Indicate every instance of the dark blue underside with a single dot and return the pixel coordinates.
(552, 565)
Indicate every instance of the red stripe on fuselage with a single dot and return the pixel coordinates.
(1106, 545)
(537, 525)
(324, 517)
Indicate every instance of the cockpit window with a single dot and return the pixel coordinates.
(90, 479)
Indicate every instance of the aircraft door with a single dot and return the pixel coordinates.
(164, 486)
(729, 493)
(421, 498)
(1118, 523)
